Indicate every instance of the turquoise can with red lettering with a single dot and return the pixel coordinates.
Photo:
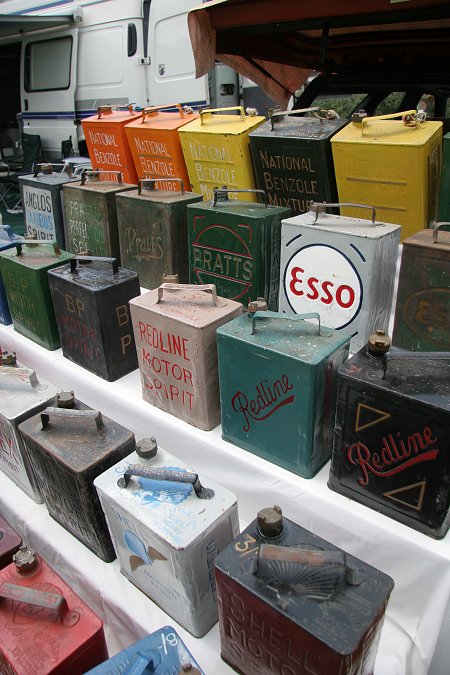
(278, 376)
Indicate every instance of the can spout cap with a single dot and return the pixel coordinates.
(258, 305)
(379, 343)
(270, 521)
(8, 359)
(147, 448)
(66, 399)
(25, 560)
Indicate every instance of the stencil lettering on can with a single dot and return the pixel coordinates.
(38, 213)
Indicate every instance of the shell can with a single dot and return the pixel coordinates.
(343, 268)
(24, 271)
(153, 231)
(422, 310)
(45, 626)
(216, 150)
(68, 449)
(283, 593)
(8, 239)
(236, 246)
(10, 542)
(278, 377)
(391, 445)
(107, 143)
(168, 524)
(90, 297)
(175, 334)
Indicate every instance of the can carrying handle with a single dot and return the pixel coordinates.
(31, 596)
(398, 354)
(153, 181)
(321, 207)
(436, 228)
(153, 110)
(91, 258)
(24, 375)
(107, 110)
(282, 113)
(410, 118)
(275, 315)
(94, 415)
(143, 664)
(224, 191)
(94, 175)
(44, 166)
(33, 242)
(204, 288)
(210, 111)
(7, 229)
(166, 475)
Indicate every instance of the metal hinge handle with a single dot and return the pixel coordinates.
(153, 182)
(94, 415)
(94, 175)
(166, 475)
(398, 354)
(154, 109)
(209, 111)
(284, 317)
(204, 288)
(321, 207)
(410, 118)
(38, 165)
(94, 259)
(108, 109)
(35, 242)
(283, 113)
(436, 228)
(143, 664)
(31, 596)
(225, 191)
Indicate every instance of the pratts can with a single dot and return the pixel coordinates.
(292, 158)
(278, 378)
(391, 446)
(160, 653)
(153, 231)
(216, 150)
(107, 143)
(69, 448)
(90, 297)
(90, 214)
(45, 626)
(24, 271)
(292, 603)
(8, 239)
(343, 268)
(155, 144)
(236, 246)
(175, 333)
(168, 524)
(41, 193)
(10, 542)
(422, 310)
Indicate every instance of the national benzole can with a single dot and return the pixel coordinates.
(168, 524)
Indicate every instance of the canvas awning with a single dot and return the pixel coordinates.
(14, 26)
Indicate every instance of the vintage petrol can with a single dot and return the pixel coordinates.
(278, 377)
(444, 191)
(45, 626)
(292, 158)
(291, 602)
(68, 449)
(216, 150)
(168, 524)
(8, 239)
(236, 246)
(107, 143)
(391, 445)
(160, 653)
(155, 144)
(175, 333)
(392, 165)
(10, 542)
(90, 214)
(90, 297)
(153, 231)
(341, 267)
(41, 193)
(422, 310)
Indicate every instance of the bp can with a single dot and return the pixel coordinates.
(24, 270)
(278, 378)
(90, 297)
(90, 213)
(392, 165)
(292, 159)
(216, 150)
(153, 231)
(168, 524)
(422, 310)
(8, 239)
(391, 445)
(45, 626)
(283, 593)
(343, 268)
(175, 333)
(10, 542)
(236, 246)
(69, 448)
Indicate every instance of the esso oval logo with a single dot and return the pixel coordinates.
(319, 278)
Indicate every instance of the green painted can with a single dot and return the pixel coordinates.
(24, 271)
(278, 379)
(236, 246)
(444, 191)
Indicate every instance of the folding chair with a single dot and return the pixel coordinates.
(32, 152)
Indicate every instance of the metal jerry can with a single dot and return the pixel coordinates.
(45, 626)
(153, 231)
(393, 165)
(391, 447)
(292, 158)
(216, 150)
(160, 653)
(292, 603)
(422, 310)
(10, 542)
(155, 144)
(24, 272)
(41, 194)
(168, 524)
(343, 268)
(175, 333)
(8, 239)
(277, 377)
(236, 246)
(69, 448)
(107, 143)
(90, 214)
(91, 297)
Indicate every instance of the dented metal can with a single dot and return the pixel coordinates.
(10, 542)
